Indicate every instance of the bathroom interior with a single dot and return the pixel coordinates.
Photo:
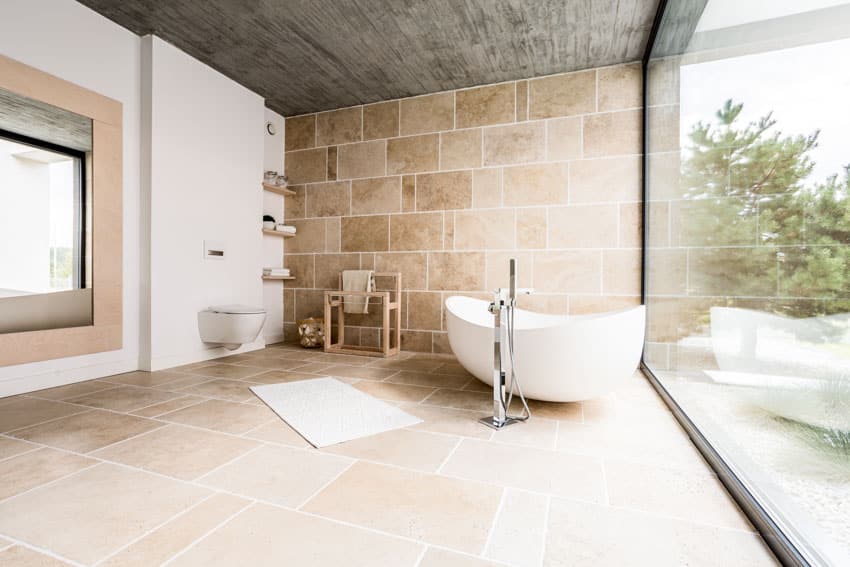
(481, 283)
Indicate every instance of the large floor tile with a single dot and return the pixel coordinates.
(20, 556)
(535, 432)
(72, 390)
(394, 392)
(175, 450)
(650, 441)
(527, 468)
(123, 398)
(219, 415)
(589, 535)
(218, 370)
(11, 447)
(36, 468)
(146, 379)
(462, 399)
(171, 538)
(272, 363)
(431, 508)
(95, 512)
(401, 447)
(519, 533)
(277, 474)
(19, 411)
(267, 536)
(567, 411)
(282, 376)
(230, 390)
(681, 494)
(277, 431)
(411, 364)
(362, 372)
(429, 379)
(448, 420)
(87, 431)
(453, 367)
(436, 557)
(169, 406)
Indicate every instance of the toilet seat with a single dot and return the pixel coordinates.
(237, 309)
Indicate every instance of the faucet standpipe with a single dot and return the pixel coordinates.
(502, 308)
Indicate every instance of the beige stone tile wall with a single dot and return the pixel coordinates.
(446, 187)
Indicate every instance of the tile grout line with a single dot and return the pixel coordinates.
(492, 529)
(208, 533)
(43, 550)
(154, 529)
(439, 470)
(328, 483)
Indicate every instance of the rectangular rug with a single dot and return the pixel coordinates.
(325, 411)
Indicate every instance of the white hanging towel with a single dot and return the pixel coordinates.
(356, 280)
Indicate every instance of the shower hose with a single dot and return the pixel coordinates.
(511, 319)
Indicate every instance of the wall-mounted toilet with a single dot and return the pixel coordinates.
(230, 326)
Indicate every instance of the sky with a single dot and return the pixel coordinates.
(807, 88)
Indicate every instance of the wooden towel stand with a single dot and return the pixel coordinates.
(390, 301)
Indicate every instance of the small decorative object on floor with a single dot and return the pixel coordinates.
(281, 181)
(270, 177)
(312, 332)
(268, 222)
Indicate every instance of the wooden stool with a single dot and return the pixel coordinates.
(390, 301)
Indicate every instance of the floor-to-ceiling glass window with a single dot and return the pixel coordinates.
(747, 256)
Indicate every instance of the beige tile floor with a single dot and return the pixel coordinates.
(187, 467)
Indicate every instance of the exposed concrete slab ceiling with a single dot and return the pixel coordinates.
(310, 55)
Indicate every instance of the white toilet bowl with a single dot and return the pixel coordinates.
(230, 326)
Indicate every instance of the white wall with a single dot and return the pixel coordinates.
(273, 247)
(70, 41)
(205, 168)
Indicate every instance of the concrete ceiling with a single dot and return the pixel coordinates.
(310, 55)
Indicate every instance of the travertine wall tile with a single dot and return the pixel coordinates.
(515, 143)
(455, 270)
(563, 138)
(300, 132)
(380, 120)
(376, 195)
(418, 231)
(429, 113)
(307, 166)
(446, 188)
(329, 199)
(491, 229)
(605, 180)
(442, 191)
(486, 188)
(370, 233)
(562, 95)
(612, 133)
(482, 106)
(620, 87)
(543, 184)
(584, 226)
(412, 154)
(364, 159)
(339, 126)
(460, 149)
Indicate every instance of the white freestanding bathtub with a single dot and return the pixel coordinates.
(559, 358)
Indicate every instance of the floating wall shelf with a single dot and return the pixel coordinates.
(278, 233)
(278, 278)
(279, 190)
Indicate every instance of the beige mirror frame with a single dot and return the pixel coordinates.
(106, 220)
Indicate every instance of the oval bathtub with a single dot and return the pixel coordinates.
(559, 358)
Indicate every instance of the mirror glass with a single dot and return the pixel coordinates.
(45, 244)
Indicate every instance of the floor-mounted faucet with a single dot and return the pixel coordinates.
(503, 309)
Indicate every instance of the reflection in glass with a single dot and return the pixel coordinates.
(748, 249)
(45, 248)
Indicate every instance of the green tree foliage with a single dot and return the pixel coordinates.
(769, 231)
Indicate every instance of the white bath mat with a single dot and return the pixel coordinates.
(325, 411)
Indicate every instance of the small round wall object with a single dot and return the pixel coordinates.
(312, 332)
(270, 128)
